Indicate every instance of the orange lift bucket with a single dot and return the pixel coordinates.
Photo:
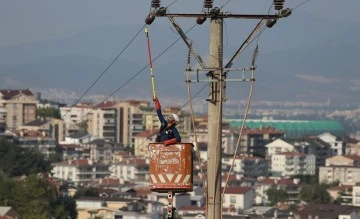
(171, 167)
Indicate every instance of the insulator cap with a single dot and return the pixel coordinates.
(155, 3)
(279, 4)
(149, 19)
(208, 3)
(200, 20)
(270, 23)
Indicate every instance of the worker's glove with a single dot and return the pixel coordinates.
(170, 141)
(157, 103)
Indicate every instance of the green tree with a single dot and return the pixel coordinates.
(315, 194)
(87, 192)
(17, 161)
(276, 195)
(50, 112)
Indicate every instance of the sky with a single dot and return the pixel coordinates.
(33, 25)
(24, 21)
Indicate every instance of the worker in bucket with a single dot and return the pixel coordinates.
(168, 133)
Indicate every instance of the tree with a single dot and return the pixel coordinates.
(17, 161)
(315, 194)
(50, 112)
(87, 192)
(276, 195)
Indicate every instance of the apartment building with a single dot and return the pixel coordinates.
(17, 107)
(248, 165)
(337, 144)
(344, 169)
(132, 169)
(291, 186)
(49, 127)
(229, 137)
(292, 163)
(75, 116)
(254, 140)
(80, 171)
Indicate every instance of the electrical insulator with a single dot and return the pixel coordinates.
(200, 20)
(149, 19)
(161, 11)
(155, 3)
(208, 3)
(279, 4)
(270, 23)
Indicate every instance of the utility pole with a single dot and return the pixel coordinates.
(215, 120)
(216, 77)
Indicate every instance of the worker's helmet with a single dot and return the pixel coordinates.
(173, 117)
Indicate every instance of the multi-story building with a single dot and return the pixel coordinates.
(132, 169)
(229, 137)
(248, 166)
(3, 114)
(311, 145)
(75, 116)
(343, 169)
(35, 140)
(19, 106)
(49, 127)
(291, 186)
(100, 150)
(292, 163)
(80, 171)
(337, 144)
(118, 121)
(254, 140)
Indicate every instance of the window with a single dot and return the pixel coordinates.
(232, 199)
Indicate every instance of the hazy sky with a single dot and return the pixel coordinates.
(27, 21)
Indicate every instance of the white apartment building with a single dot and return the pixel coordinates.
(356, 196)
(345, 169)
(337, 144)
(132, 169)
(80, 171)
(292, 163)
(75, 115)
(248, 165)
(239, 198)
(278, 146)
(291, 186)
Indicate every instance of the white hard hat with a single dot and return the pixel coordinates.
(172, 118)
(176, 118)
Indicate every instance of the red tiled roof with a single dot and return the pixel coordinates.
(353, 157)
(136, 161)
(8, 94)
(147, 133)
(78, 162)
(231, 177)
(236, 190)
(110, 181)
(263, 130)
(106, 104)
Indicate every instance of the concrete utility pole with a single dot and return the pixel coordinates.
(216, 79)
(215, 120)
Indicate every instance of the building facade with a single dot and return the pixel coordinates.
(18, 107)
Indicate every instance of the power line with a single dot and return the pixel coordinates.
(106, 69)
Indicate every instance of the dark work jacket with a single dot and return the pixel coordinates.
(166, 133)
